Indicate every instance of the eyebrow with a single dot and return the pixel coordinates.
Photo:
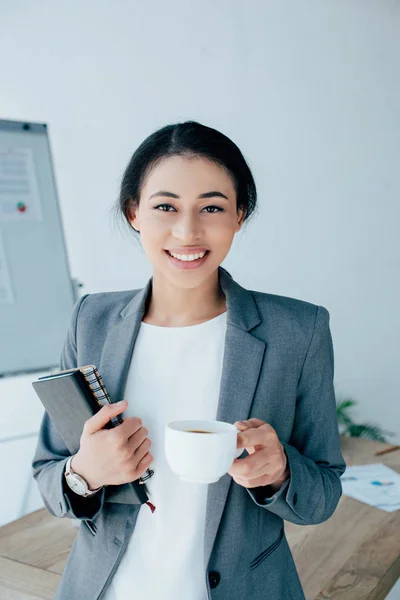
(205, 195)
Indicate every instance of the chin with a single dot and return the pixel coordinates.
(188, 280)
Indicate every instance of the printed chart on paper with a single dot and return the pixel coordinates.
(19, 192)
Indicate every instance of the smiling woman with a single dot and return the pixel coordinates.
(194, 344)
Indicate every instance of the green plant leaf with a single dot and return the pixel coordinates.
(371, 432)
(346, 403)
(351, 429)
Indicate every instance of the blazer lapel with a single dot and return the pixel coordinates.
(243, 356)
(118, 347)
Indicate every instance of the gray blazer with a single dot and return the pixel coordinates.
(278, 366)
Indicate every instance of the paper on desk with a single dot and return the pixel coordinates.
(374, 484)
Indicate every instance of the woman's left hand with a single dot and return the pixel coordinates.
(267, 461)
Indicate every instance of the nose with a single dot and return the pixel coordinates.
(187, 229)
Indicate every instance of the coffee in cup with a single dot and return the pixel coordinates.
(197, 431)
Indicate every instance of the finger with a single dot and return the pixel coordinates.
(137, 438)
(101, 418)
(128, 428)
(252, 466)
(250, 423)
(144, 463)
(256, 436)
(142, 450)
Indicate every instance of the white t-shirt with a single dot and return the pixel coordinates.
(175, 373)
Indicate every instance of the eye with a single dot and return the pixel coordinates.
(219, 209)
(163, 205)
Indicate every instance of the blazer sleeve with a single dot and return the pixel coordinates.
(313, 490)
(51, 453)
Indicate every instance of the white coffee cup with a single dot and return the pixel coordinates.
(201, 457)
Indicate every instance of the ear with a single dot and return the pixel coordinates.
(240, 217)
(133, 213)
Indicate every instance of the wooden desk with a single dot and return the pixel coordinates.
(355, 555)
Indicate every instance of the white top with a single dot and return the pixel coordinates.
(175, 373)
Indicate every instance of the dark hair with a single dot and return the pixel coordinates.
(186, 139)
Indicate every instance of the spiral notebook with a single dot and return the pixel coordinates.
(70, 398)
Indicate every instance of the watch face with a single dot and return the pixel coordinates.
(76, 485)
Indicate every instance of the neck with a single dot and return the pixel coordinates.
(172, 306)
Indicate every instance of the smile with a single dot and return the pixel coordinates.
(187, 261)
(187, 257)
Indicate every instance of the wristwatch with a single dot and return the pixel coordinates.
(76, 482)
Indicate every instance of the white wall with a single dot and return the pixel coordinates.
(310, 93)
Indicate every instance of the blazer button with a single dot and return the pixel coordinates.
(295, 498)
(214, 579)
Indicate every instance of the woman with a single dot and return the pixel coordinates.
(194, 344)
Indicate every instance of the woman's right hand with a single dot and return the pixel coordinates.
(112, 456)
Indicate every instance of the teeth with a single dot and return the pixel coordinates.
(187, 257)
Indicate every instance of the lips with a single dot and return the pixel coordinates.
(186, 264)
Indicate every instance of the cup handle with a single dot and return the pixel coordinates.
(239, 451)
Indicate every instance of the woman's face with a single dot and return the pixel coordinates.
(175, 216)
